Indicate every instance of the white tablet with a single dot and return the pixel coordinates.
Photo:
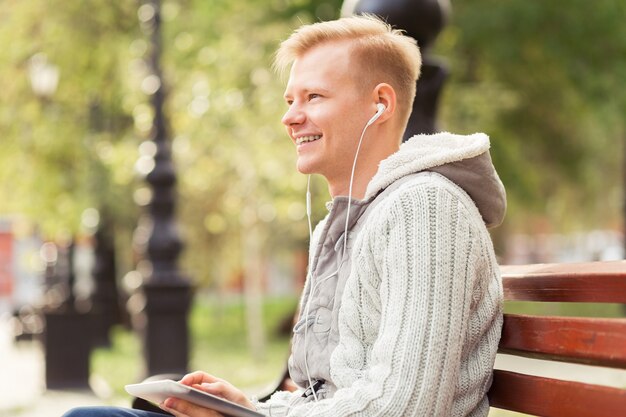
(158, 391)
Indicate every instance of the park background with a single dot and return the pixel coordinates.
(545, 80)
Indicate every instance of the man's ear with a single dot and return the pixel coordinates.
(385, 94)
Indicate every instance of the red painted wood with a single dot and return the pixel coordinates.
(600, 282)
(596, 341)
(554, 398)
(590, 341)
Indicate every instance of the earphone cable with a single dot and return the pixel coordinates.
(356, 157)
(345, 243)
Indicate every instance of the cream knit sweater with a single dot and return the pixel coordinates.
(420, 315)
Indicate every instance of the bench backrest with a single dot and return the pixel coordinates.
(584, 340)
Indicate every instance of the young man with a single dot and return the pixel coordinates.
(401, 312)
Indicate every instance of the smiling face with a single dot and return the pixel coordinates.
(328, 109)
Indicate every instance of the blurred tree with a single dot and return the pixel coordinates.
(546, 80)
(77, 149)
(236, 165)
(237, 168)
(66, 152)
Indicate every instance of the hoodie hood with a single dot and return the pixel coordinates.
(463, 159)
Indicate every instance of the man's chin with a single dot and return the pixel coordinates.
(306, 167)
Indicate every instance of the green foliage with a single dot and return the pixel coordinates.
(77, 148)
(545, 80)
(59, 152)
(236, 165)
(120, 364)
(218, 346)
(565, 309)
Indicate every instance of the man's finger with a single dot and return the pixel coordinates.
(225, 390)
(197, 378)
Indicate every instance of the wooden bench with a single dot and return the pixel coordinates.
(581, 340)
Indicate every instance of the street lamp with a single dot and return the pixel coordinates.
(165, 292)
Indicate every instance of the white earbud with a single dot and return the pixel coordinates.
(381, 109)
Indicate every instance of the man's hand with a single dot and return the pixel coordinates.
(207, 383)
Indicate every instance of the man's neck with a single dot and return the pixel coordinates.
(359, 186)
(366, 168)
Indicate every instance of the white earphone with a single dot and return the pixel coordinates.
(381, 109)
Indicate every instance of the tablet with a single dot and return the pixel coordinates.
(158, 391)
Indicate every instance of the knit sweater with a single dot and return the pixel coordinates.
(420, 314)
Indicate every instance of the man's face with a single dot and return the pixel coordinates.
(327, 112)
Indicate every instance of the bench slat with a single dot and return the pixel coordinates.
(571, 339)
(554, 398)
(601, 282)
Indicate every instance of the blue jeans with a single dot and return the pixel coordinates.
(109, 412)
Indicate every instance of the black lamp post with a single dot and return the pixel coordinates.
(422, 20)
(166, 293)
(66, 364)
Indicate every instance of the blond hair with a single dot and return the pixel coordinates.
(383, 54)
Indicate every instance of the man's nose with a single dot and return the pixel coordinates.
(293, 116)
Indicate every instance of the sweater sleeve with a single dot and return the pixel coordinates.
(404, 315)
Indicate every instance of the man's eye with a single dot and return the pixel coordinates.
(312, 96)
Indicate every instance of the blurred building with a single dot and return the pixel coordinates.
(582, 246)
(21, 281)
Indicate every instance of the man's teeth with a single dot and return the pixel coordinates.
(304, 139)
